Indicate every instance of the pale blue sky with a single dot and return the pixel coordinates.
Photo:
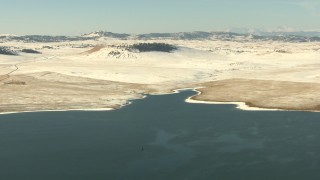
(74, 17)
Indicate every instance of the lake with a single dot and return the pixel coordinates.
(161, 137)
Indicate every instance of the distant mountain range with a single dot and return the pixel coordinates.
(301, 36)
(281, 31)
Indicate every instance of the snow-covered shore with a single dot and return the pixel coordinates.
(194, 63)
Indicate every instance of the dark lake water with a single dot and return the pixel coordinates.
(161, 137)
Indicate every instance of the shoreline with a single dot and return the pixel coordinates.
(238, 105)
(65, 110)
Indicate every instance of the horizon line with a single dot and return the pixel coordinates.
(230, 30)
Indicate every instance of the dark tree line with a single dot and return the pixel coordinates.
(147, 47)
(7, 51)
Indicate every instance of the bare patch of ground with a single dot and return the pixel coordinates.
(263, 93)
(95, 49)
(53, 91)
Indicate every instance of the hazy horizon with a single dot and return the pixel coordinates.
(147, 16)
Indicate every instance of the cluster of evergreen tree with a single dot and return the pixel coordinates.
(147, 47)
(7, 51)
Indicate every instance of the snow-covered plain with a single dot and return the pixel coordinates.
(195, 62)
